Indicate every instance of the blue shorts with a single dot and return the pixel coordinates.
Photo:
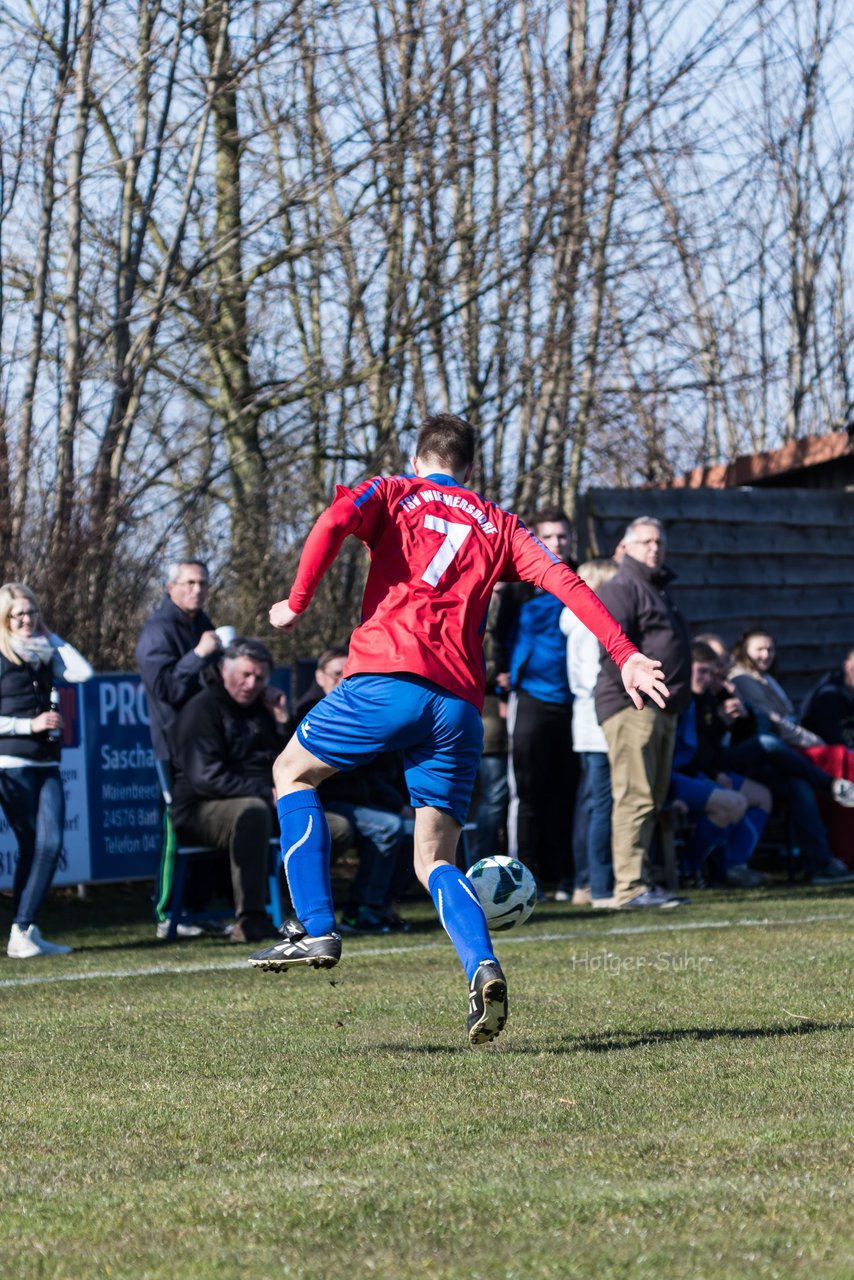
(440, 735)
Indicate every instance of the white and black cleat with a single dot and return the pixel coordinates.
(299, 948)
(487, 1003)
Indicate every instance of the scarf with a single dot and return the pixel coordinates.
(35, 650)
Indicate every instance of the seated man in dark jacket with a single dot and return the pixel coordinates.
(225, 740)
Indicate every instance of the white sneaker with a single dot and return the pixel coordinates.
(843, 792)
(183, 930)
(25, 943)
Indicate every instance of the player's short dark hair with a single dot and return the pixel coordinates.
(551, 515)
(447, 437)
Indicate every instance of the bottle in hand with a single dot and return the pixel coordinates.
(54, 734)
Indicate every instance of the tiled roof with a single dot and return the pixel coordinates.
(809, 451)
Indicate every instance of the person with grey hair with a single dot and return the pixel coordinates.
(176, 644)
(224, 741)
(640, 746)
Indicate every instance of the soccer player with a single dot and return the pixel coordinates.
(414, 683)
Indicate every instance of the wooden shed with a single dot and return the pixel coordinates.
(780, 557)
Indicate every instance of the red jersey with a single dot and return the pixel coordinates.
(437, 552)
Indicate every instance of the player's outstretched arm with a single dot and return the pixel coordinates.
(644, 675)
(321, 547)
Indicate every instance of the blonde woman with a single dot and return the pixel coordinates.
(31, 791)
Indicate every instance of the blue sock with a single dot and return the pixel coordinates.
(306, 846)
(744, 837)
(706, 837)
(461, 916)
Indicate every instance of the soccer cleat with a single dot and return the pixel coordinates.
(299, 948)
(843, 792)
(487, 1003)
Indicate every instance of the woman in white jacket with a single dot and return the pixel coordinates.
(592, 825)
(31, 791)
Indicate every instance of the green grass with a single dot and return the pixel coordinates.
(665, 1102)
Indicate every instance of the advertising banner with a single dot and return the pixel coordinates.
(125, 809)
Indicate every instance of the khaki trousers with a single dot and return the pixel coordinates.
(243, 827)
(640, 753)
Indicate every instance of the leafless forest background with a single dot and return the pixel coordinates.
(246, 246)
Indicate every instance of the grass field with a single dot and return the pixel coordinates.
(672, 1098)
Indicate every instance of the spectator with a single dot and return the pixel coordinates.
(369, 798)
(793, 777)
(531, 656)
(176, 645)
(729, 811)
(32, 795)
(177, 642)
(225, 740)
(640, 747)
(754, 653)
(828, 709)
(592, 826)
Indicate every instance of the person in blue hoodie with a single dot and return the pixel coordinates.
(542, 769)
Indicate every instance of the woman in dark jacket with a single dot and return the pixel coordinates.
(31, 791)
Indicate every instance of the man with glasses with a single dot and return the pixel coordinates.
(640, 745)
(176, 643)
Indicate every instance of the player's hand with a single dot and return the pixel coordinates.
(643, 675)
(282, 616)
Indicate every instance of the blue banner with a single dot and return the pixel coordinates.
(123, 795)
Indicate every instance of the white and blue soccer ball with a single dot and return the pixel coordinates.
(506, 889)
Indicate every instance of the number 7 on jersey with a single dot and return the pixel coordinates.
(455, 536)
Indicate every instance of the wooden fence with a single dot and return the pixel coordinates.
(783, 558)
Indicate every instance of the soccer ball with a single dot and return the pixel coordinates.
(506, 889)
